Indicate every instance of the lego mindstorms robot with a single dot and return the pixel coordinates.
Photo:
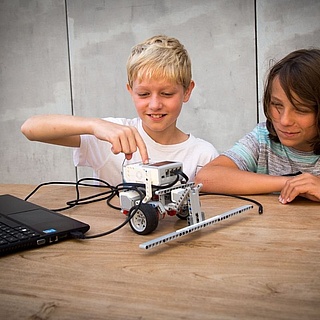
(166, 192)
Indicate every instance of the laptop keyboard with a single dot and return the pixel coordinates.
(11, 235)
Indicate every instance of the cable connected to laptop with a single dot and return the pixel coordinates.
(113, 191)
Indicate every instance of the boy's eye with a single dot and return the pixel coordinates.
(303, 110)
(298, 109)
(146, 94)
(143, 94)
(276, 105)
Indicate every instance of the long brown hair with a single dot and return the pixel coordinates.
(299, 73)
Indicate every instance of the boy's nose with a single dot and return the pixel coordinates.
(155, 103)
(287, 117)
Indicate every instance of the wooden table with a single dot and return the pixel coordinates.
(250, 266)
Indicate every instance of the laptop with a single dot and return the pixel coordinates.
(24, 225)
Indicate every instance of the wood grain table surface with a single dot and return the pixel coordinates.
(250, 266)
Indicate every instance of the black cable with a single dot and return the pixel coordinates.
(114, 191)
(77, 184)
(90, 199)
(131, 213)
(260, 206)
(94, 198)
(182, 174)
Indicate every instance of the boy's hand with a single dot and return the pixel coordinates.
(124, 139)
(305, 185)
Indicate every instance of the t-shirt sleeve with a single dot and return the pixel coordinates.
(245, 152)
(199, 153)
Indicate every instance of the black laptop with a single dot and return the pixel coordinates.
(24, 225)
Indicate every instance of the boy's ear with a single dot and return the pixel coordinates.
(129, 88)
(187, 93)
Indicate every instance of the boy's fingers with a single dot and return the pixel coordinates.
(128, 141)
(116, 147)
(142, 149)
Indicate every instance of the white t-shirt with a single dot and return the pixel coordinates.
(193, 153)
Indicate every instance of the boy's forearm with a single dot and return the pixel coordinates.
(234, 181)
(60, 129)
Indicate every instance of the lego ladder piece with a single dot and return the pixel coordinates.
(178, 186)
(176, 205)
(195, 213)
(148, 185)
(195, 227)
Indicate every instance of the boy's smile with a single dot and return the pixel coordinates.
(158, 104)
(157, 116)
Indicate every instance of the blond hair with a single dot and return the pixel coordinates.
(160, 57)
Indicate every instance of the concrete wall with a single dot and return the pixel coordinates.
(68, 56)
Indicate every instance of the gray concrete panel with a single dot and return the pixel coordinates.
(33, 80)
(284, 26)
(219, 35)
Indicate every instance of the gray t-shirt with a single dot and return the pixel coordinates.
(255, 152)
